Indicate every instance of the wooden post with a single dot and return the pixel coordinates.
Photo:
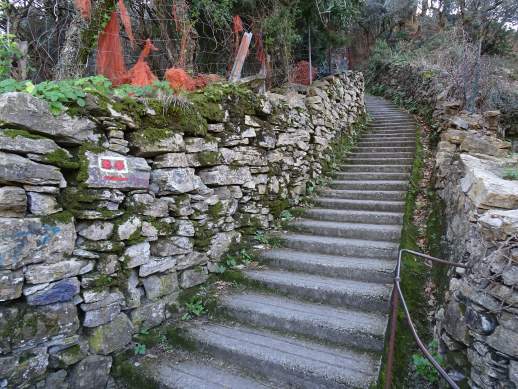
(235, 75)
(310, 62)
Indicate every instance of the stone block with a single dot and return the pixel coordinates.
(13, 201)
(170, 160)
(127, 228)
(56, 292)
(111, 337)
(175, 181)
(173, 245)
(193, 277)
(42, 204)
(22, 370)
(92, 372)
(137, 254)
(30, 240)
(157, 286)
(149, 315)
(61, 359)
(98, 230)
(165, 142)
(192, 259)
(225, 175)
(11, 284)
(157, 265)
(23, 110)
(112, 170)
(17, 169)
(15, 142)
(221, 242)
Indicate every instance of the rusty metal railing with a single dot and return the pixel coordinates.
(397, 295)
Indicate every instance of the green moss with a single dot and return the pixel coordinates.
(202, 237)
(64, 217)
(12, 133)
(177, 337)
(277, 206)
(215, 210)
(82, 175)
(61, 159)
(210, 110)
(103, 282)
(250, 223)
(132, 376)
(209, 158)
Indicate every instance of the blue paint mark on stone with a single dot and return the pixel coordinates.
(57, 292)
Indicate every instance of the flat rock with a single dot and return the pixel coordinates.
(29, 240)
(20, 144)
(169, 142)
(56, 292)
(111, 337)
(14, 168)
(91, 373)
(13, 201)
(193, 277)
(42, 204)
(175, 181)
(173, 245)
(225, 175)
(44, 273)
(112, 170)
(11, 284)
(157, 286)
(22, 110)
(98, 230)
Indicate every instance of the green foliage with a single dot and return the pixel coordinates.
(267, 239)
(424, 368)
(511, 173)
(195, 307)
(153, 90)
(139, 349)
(218, 12)
(8, 52)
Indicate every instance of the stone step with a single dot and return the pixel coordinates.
(379, 161)
(395, 154)
(391, 130)
(338, 326)
(358, 269)
(389, 135)
(387, 233)
(355, 216)
(361, 205)
(376, 168)
(296, 363)
(386, 143)
(367, 296)
(379, 195)
(380, 149)
(198, 374)
(340, 246)
(369, 185)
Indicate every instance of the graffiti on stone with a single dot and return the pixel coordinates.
(112, 170)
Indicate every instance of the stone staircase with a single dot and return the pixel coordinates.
(320, 317)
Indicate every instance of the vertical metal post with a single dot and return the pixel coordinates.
(310, 58)
(235, 75)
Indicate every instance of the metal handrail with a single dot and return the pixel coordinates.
(398, 294)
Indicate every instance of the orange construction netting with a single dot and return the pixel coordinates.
(179, 79)
(126, 22)
(141, 74)
(110, 59)
(84, 7)
(300, 73)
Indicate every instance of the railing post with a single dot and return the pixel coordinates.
(392, 339)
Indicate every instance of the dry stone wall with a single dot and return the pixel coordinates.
(478, 323)
(106, 217)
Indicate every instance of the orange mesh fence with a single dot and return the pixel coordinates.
(110, 59)
(126, 22)
(179, 79)
(84, 7)
(141, 74)
(300, 73)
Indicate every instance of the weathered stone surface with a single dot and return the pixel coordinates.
(130, 290)
(225, 175)
(454, 136)
(111, 337)
(11, 284)
(22, 370)
(157, 265)
(112, 170)
(102, 315)
(55, 292)
(104, 299)
(170, 160)
(175, 181)
(40, 274)
(221, 242)
(193, 277)
(174, 245)
(484, 187)
(148, 205)
(170, 143)
(56, 380)
(498, 224)
(474, 143)
(191, 259)
(504, 340)
(455, 323)
(137, 254)
(126, 229)
(196, 145)
(185, 228)
(148, 315)
(61, 359)
(92, 372)
(157, 286)
(29, 240)
(42, 204)
(20, 144)
(97, 230)
(13, 201)
(14, 168)
(28, 112)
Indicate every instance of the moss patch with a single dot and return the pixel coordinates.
(13, 133)
(61, 159)
(132, 376)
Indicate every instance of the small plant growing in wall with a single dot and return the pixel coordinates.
(424, 368)
(195, 308)
(511, 173)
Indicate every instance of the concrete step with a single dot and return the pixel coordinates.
(395, 154)
(379, 195)
(369, 185)
(198, 374)
(296, 363)
(363, 205)
(338, 326)
(358, 269)
(383, 149)
(340, 246)
(389, 135)
(367, 296)
(391, 130)
(379, 161)
(387, 233)
(376, 168)
(386, 143)
(355, 216)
